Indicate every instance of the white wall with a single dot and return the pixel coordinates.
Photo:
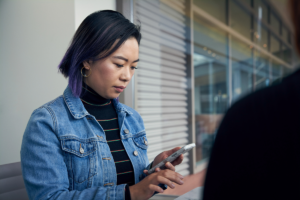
(34, 36)
(85, 7)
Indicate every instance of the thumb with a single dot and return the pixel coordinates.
(146, 172)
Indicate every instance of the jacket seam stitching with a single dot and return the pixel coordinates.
(65, 100)
(89, 152)
(53, 117)
(88, 140)
(140, 132)
(86, 178)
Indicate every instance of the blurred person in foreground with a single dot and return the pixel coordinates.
(256, 154)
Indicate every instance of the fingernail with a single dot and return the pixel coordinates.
(181, 177)
(181, 182)
(172, 185)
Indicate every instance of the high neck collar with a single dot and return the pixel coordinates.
(78, 110)
(88, 95)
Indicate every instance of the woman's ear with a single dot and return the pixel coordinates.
(86, 64)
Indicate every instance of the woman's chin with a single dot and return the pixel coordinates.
(113, 96)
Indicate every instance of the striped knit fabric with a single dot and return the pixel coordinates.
(107, 117)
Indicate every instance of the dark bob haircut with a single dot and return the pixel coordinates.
(93, 41)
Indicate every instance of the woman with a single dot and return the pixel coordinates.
(85, 144)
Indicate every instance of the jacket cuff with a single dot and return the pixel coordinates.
(127, 193)
(116, 192)
(149, 166)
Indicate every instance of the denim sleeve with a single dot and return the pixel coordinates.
(44, 170)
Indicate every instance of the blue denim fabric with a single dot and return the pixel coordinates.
(55, 166)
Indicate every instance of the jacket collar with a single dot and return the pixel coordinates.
(77, 108)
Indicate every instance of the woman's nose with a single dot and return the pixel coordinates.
(126, 74)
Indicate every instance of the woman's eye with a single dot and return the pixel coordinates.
(119, 65)
(134, 67)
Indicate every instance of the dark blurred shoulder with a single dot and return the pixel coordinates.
(282, 94)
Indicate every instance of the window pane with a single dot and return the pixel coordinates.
(260, 8)
(275, 24)
(277, 72)
(286, 54)
(216, 8)
(262, 73)
(285, 34)
(247, 2)
(242, 69)
(210, 75)
(260, 35)
(275, 46)
(286, 71)
(240, 20)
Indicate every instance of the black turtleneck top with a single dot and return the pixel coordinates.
(104, 111)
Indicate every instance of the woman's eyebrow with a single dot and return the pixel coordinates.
(122, 58)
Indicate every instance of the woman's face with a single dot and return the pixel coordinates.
(110, 76)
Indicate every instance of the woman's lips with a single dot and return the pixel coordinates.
(119, 88)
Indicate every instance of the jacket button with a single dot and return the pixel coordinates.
(81, 150)
(146, 143)
(135, 153)
(126, 131)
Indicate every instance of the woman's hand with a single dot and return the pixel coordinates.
(146, 188)
(160, 157)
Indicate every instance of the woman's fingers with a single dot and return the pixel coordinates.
(178, 160)
(156, 170)
(170, 177)
(156, 188)
(165, 181)
(145, 188)
(170, 166)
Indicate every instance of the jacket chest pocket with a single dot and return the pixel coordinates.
(141, 141)
(80, 158)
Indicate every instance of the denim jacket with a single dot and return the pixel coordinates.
(65, 155)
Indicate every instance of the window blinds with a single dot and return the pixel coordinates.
(161, 80)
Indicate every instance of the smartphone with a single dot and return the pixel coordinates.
(172, 157)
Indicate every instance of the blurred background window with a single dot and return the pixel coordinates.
(240, 46)
(275, 46)
(285, 34)
(210, 78)
(242, 68)
(275, 24)
(261, 9)
(240, 19)
(198, 57)
(216, 8)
